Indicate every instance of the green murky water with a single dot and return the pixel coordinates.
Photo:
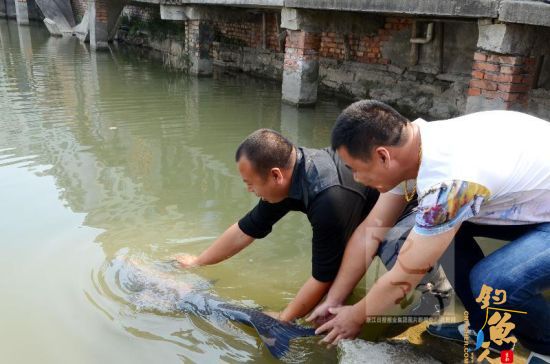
(108, 155)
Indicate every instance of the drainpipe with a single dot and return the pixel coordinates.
(415, 42)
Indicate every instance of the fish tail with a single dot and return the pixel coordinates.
(276, 335)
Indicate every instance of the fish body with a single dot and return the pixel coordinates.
(151, 288)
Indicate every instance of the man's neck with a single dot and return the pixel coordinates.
(410, 152)
(294, 159)
(288, 173)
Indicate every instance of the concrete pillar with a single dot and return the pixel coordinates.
(22, 12)
(198, 42)
(98, 30)
(3, 12)
(198, 35)
(10, 8)
(504, 69)
(103, 20)
(301, 64)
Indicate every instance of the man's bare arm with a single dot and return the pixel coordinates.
(232, 241)
(361, 250)
(306, 299)
(417, 256)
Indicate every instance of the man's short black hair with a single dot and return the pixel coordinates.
(367, 124)
(266, 149)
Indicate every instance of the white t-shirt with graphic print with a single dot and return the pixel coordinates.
(490, 167)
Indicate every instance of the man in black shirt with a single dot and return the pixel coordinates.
(313, 181)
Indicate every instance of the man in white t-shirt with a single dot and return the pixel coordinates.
(487, 169)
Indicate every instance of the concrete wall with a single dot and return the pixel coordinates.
(459, 43)
(239, 42)
(361, 55)
(539, 97)
(376, 63)
(539, 103)
(143, 27)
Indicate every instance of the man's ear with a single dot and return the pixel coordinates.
(276, 174)
(383, 155)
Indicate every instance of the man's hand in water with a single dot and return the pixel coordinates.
(275, 315)
(321, 314)
(345, 325)
(187, 261)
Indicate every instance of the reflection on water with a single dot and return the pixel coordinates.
(107, 154)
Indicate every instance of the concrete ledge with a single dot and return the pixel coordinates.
(173, 12)
(506, 38)
(533, 12)
(145, 1)
(525, 12)
(240, 3)
(464, 8)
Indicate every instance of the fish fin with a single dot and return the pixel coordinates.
(276, 335)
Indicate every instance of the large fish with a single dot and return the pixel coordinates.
(150, 287)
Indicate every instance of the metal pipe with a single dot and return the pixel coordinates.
(415, 41)
(429, 35)
(414, 47)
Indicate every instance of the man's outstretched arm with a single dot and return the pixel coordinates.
(306, 299)
(232, 241)
(360, 251)
(417, 256)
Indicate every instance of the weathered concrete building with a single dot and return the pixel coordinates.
(426, 57)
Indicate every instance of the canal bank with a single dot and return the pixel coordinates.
(425, 58)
